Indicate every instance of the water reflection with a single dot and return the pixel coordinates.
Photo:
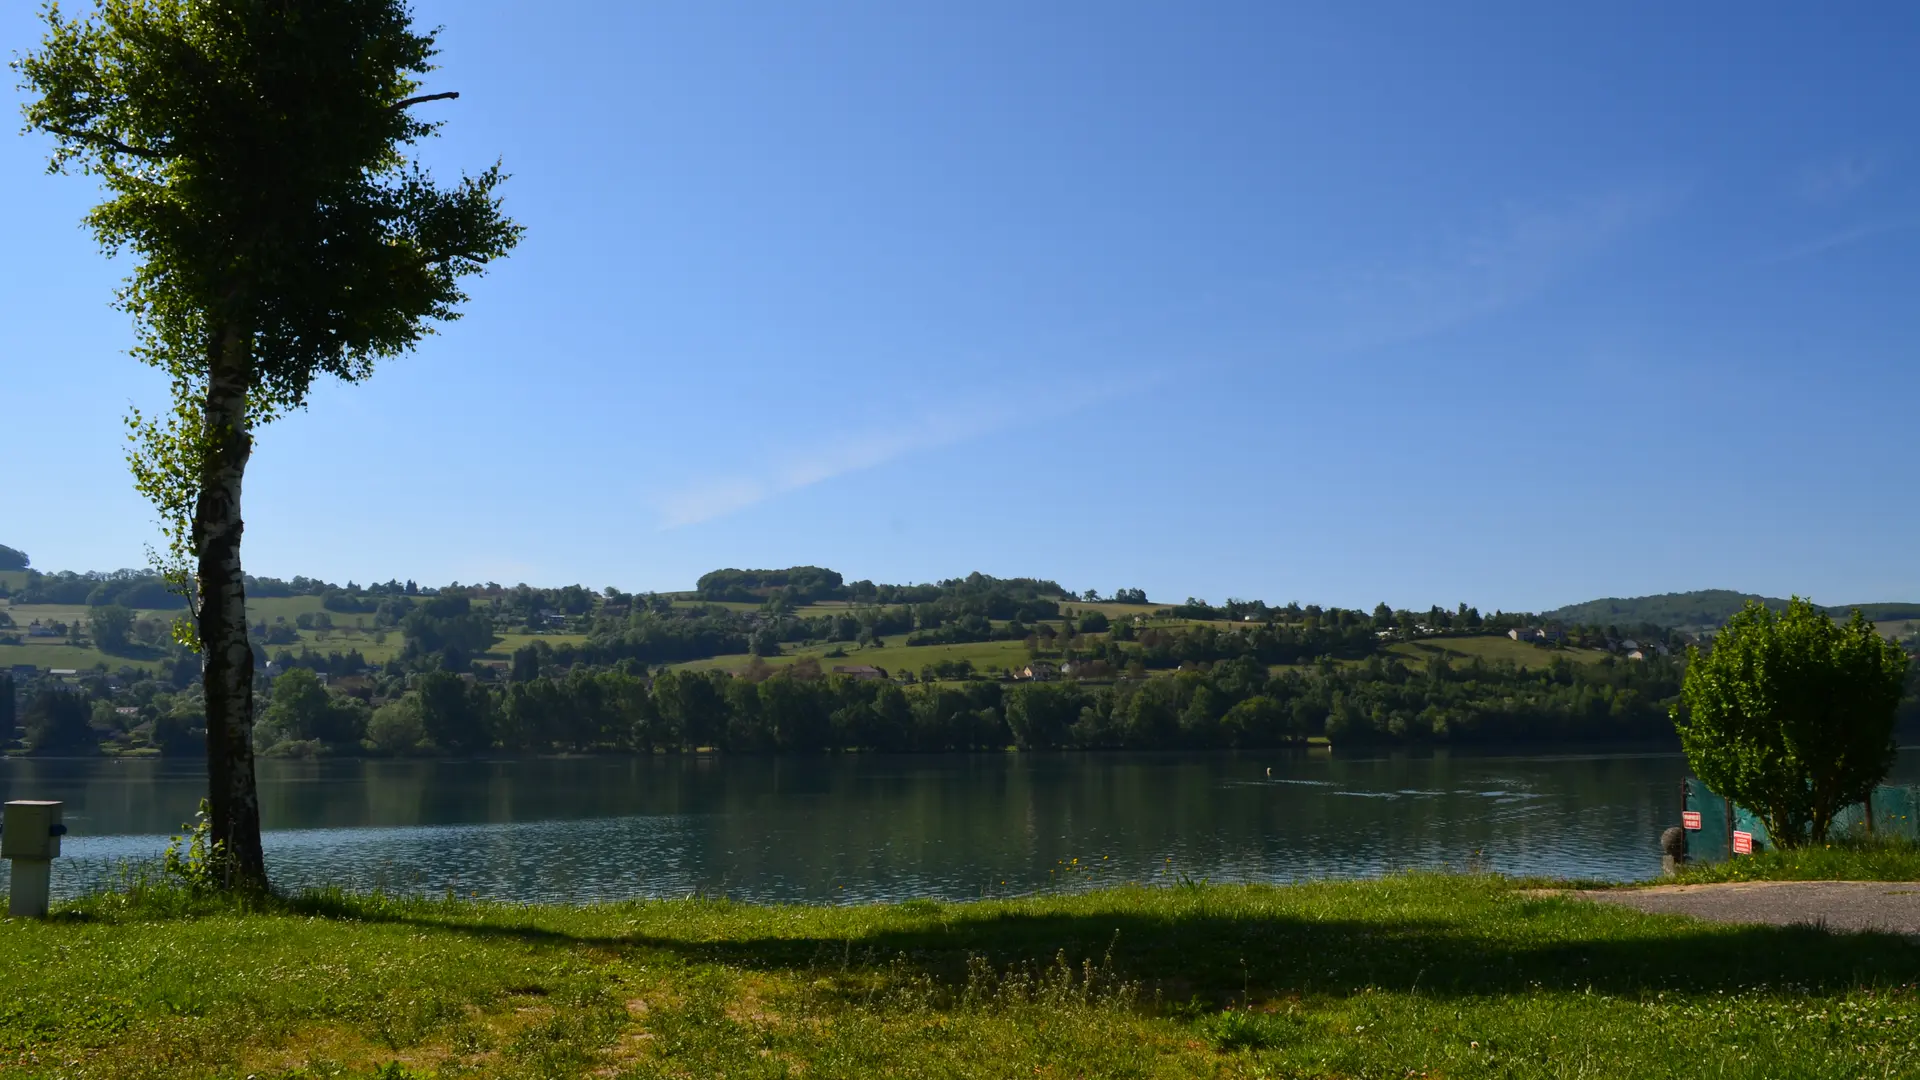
(868, 827)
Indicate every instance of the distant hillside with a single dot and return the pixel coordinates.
(1702, 609)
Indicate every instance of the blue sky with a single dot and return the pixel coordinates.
(1422, 303)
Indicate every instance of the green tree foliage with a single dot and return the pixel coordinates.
(1702, 609)
(1257, 721)
(1792, 715)
(13, 558)
(255, 160)
(1042, 715)
(301, 710)
(180, 731)
(455, 713)
(797, 584)
(112, 627)
(396, 727)
(448, 626)
(56, 721)
(7, 711)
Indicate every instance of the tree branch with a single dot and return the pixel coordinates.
(404, 102)
(104, 141)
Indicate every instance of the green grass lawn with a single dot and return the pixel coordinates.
(894, 657)
(22, 614)
(291, 607)
(1849, 858)
(1897, 628)
(1490, 648)
(1420, 975)
(503, 649)
(56, 653)
(730, 605)
(267, 609)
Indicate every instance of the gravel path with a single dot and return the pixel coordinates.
(1892, 906)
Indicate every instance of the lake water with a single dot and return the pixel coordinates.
(870, 827)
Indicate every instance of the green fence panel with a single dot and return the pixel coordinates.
(1895, 812)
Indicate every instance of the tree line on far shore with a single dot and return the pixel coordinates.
(1232, 703)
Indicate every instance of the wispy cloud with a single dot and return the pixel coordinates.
(1514, 255)
(1474, 274)
(859, 450)
(1840, 239)
(1834, 180)
(852, 452)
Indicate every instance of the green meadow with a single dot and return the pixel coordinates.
(1464, 977)
(1491, 648)
(895, 656)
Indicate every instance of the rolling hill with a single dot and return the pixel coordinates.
(1702, 609)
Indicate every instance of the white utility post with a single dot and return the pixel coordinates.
(30, 835)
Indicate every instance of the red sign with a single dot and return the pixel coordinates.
(1690, 818)
(1742, 843)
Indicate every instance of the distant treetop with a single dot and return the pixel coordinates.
(801, 583)
(13, 558)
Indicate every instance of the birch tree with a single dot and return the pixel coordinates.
(255, 161)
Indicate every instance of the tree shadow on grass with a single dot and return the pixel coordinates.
(1222, 956)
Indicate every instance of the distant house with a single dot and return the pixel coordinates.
(859, 671)
(1526, 633)
(1554, 637)
(1630, 645)
(38, 629)
(1636, 654)
(1038, 671)
(127, 710)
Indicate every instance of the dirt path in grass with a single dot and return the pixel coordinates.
(1891, 906)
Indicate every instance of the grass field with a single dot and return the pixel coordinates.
(1849, 858)
(1012, 654)
(730, 605)
(504, 648)
(1112, 611)
(1898, 628)
(1491, 648)
(894, 657)
(55, 652)
(1411, 976)
(290, 607)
